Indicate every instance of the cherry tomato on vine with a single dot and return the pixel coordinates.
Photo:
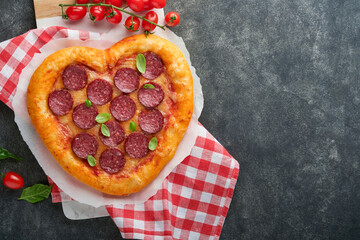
(82, 1)
(116, 3)
(132, 23)
(116, 19)
(13, 180)
(76, 12)
(158, 3)
(151, 16)
(96, 1)
(97, 13)
(147, 5)
(172, 19)
(136, 5)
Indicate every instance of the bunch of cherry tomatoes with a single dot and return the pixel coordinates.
(113, 14)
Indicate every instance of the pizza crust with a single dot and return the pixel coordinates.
(57, 136)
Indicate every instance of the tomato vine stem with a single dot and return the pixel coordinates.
(88, 5)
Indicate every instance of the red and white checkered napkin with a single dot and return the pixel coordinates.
(194, 198)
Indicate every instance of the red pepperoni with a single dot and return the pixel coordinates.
(60, 102)
(74, 77)
(122, 108)
(136, 145)
(84, 117)
(117, 134)
(150, 98)
(127, 80)
(154, 66)
(151, 121)
(112, 160)
(99, 92)
(84, 144)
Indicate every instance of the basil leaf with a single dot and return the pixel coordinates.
(6, 154)
(36, 193)
(132, 126)
(102, 117)
(91, 160)
(141, 63)
(153, 143)
(88, 103)
(105, 130)
(149, 86)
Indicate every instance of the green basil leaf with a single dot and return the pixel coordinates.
(102, 117)
(149, 86)
(153, 143)
(91, 160)
(141, 63)
(105, 130)
(6, 154)
(36, 193)
(88, 103)
(132, 126)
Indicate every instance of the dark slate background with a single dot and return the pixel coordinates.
(281, 87)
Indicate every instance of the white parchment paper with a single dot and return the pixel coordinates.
(74, 188)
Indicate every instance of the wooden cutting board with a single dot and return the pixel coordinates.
(50, 8)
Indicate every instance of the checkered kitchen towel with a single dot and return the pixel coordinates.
(194, 198)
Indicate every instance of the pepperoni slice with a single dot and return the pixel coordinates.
(99, 91)
(112, 160)
(154, 65)
(151, 121)
(74, 77)
(150, 98)
(122, 108)
(136, 145)
(60, 102)
(117, 134)
(84, 144)
(127, 80)
(84, 117)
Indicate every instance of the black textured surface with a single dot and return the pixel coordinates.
(281, 87)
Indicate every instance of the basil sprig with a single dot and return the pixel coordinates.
(141, 63)
(88, 103)
(36, 193)
(102, 117)
(105, 130)
(149, 86)
(91, 160)
(6, 154)
(153, 143)
(132, 126)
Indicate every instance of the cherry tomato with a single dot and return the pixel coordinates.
(147, 5)
(172, 19)
(158, 3)
(136, 5)
(96, 1)
(97, 13)
(116, 3)
(151, 16)
(116, 19)
(76, 12)
(132, 23)
(13, 180)
(82, 1)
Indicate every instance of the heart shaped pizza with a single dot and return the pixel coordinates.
(113, 118)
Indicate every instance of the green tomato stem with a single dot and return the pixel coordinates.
(110, 5)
